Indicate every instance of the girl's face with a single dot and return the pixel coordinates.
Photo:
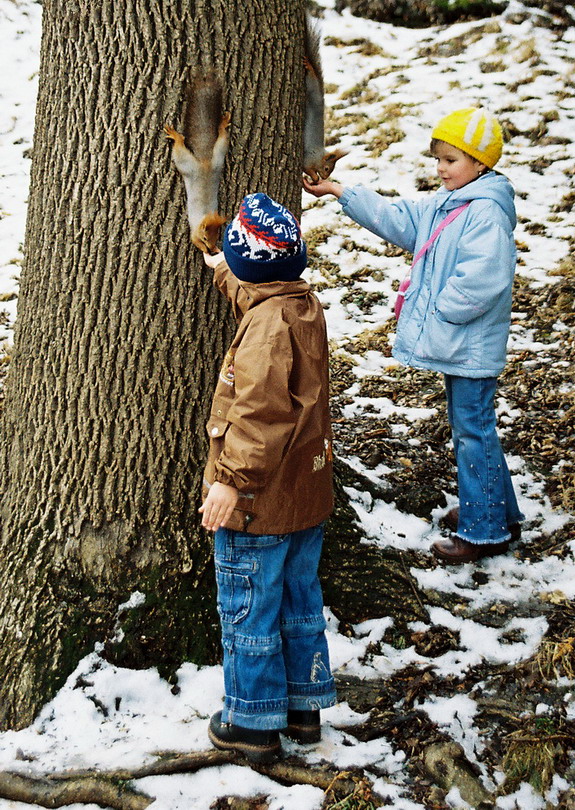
(454, 167)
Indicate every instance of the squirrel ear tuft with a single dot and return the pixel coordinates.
(329, 161)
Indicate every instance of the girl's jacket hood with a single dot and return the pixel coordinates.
(490, 186)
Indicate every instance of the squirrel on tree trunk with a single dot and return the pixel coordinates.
(317, 163)
(199, 156)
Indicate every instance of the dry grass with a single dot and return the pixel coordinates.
(535, 755)
(383, 139)
(527, 52)
(362, 798)
(556, 659)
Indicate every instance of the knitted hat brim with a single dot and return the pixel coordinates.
(260, 271)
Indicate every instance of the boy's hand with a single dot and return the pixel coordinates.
(213, 260)
(322, 187)
(218, 506)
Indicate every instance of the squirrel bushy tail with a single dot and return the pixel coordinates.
(317, 163)
(199, 156)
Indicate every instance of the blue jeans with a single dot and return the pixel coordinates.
(487, 502)
(273, 631)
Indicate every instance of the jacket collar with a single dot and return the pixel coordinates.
(491, 186)
(257, 293)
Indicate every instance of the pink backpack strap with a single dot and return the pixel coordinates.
(403, 287)
(448, 219)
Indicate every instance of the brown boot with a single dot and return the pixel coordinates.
(451, 519)
(455, 550)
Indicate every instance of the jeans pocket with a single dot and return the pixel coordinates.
(245, 540)
(235, 590)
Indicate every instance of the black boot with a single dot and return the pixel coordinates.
(256, 745)
(303, 726)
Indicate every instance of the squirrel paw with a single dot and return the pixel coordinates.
(224, 124)
(313, 174)
(174, 136)
(207, 233)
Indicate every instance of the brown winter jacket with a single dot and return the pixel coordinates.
(269, 428)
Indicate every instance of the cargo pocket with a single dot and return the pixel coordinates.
(234, 589)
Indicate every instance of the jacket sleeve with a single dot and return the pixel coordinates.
(396, 221)
(261, 418)
(483, 271)
(230, 287)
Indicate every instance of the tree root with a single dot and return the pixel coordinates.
(49, 792)
(110, 788)
(448, 767)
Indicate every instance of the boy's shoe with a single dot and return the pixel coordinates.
(303, 726)
(451, 519)
(256, 745)
(455, 550)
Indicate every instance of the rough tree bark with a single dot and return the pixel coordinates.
(119, 338)
(119, 331)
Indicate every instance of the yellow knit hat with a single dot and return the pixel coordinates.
(474, 131)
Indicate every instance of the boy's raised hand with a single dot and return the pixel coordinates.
(212, 260)
(322, 187)
(218, 507)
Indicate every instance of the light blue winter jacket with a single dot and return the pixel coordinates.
(456, 314)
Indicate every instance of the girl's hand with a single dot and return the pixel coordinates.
(218, 506)
(322, 187)
(213, 260)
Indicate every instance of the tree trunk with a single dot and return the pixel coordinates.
(120, 333)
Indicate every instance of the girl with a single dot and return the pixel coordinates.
(455, 318)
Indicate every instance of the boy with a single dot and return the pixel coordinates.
(268, 487)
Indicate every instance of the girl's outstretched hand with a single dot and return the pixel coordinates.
(322, 187)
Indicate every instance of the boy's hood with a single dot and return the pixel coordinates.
(490, 186)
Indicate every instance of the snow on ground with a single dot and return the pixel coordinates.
(109, 717)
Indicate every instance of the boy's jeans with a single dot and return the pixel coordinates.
(487, 502)
(271, 612)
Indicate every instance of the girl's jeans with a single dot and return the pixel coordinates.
(487, 502)
(273, 630)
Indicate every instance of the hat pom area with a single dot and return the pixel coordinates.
(473, 130)
(263, 243)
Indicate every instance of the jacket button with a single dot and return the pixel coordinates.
(215, 431)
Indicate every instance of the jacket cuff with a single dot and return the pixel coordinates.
(346, 196)
(220, 271)
(223, 476)
(230, 287)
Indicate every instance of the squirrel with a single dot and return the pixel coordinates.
(199, 157)
(317, 163)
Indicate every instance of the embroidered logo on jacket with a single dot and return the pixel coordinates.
(320, 461)
(227, 373)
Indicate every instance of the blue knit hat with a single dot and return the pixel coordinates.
(263, 242)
